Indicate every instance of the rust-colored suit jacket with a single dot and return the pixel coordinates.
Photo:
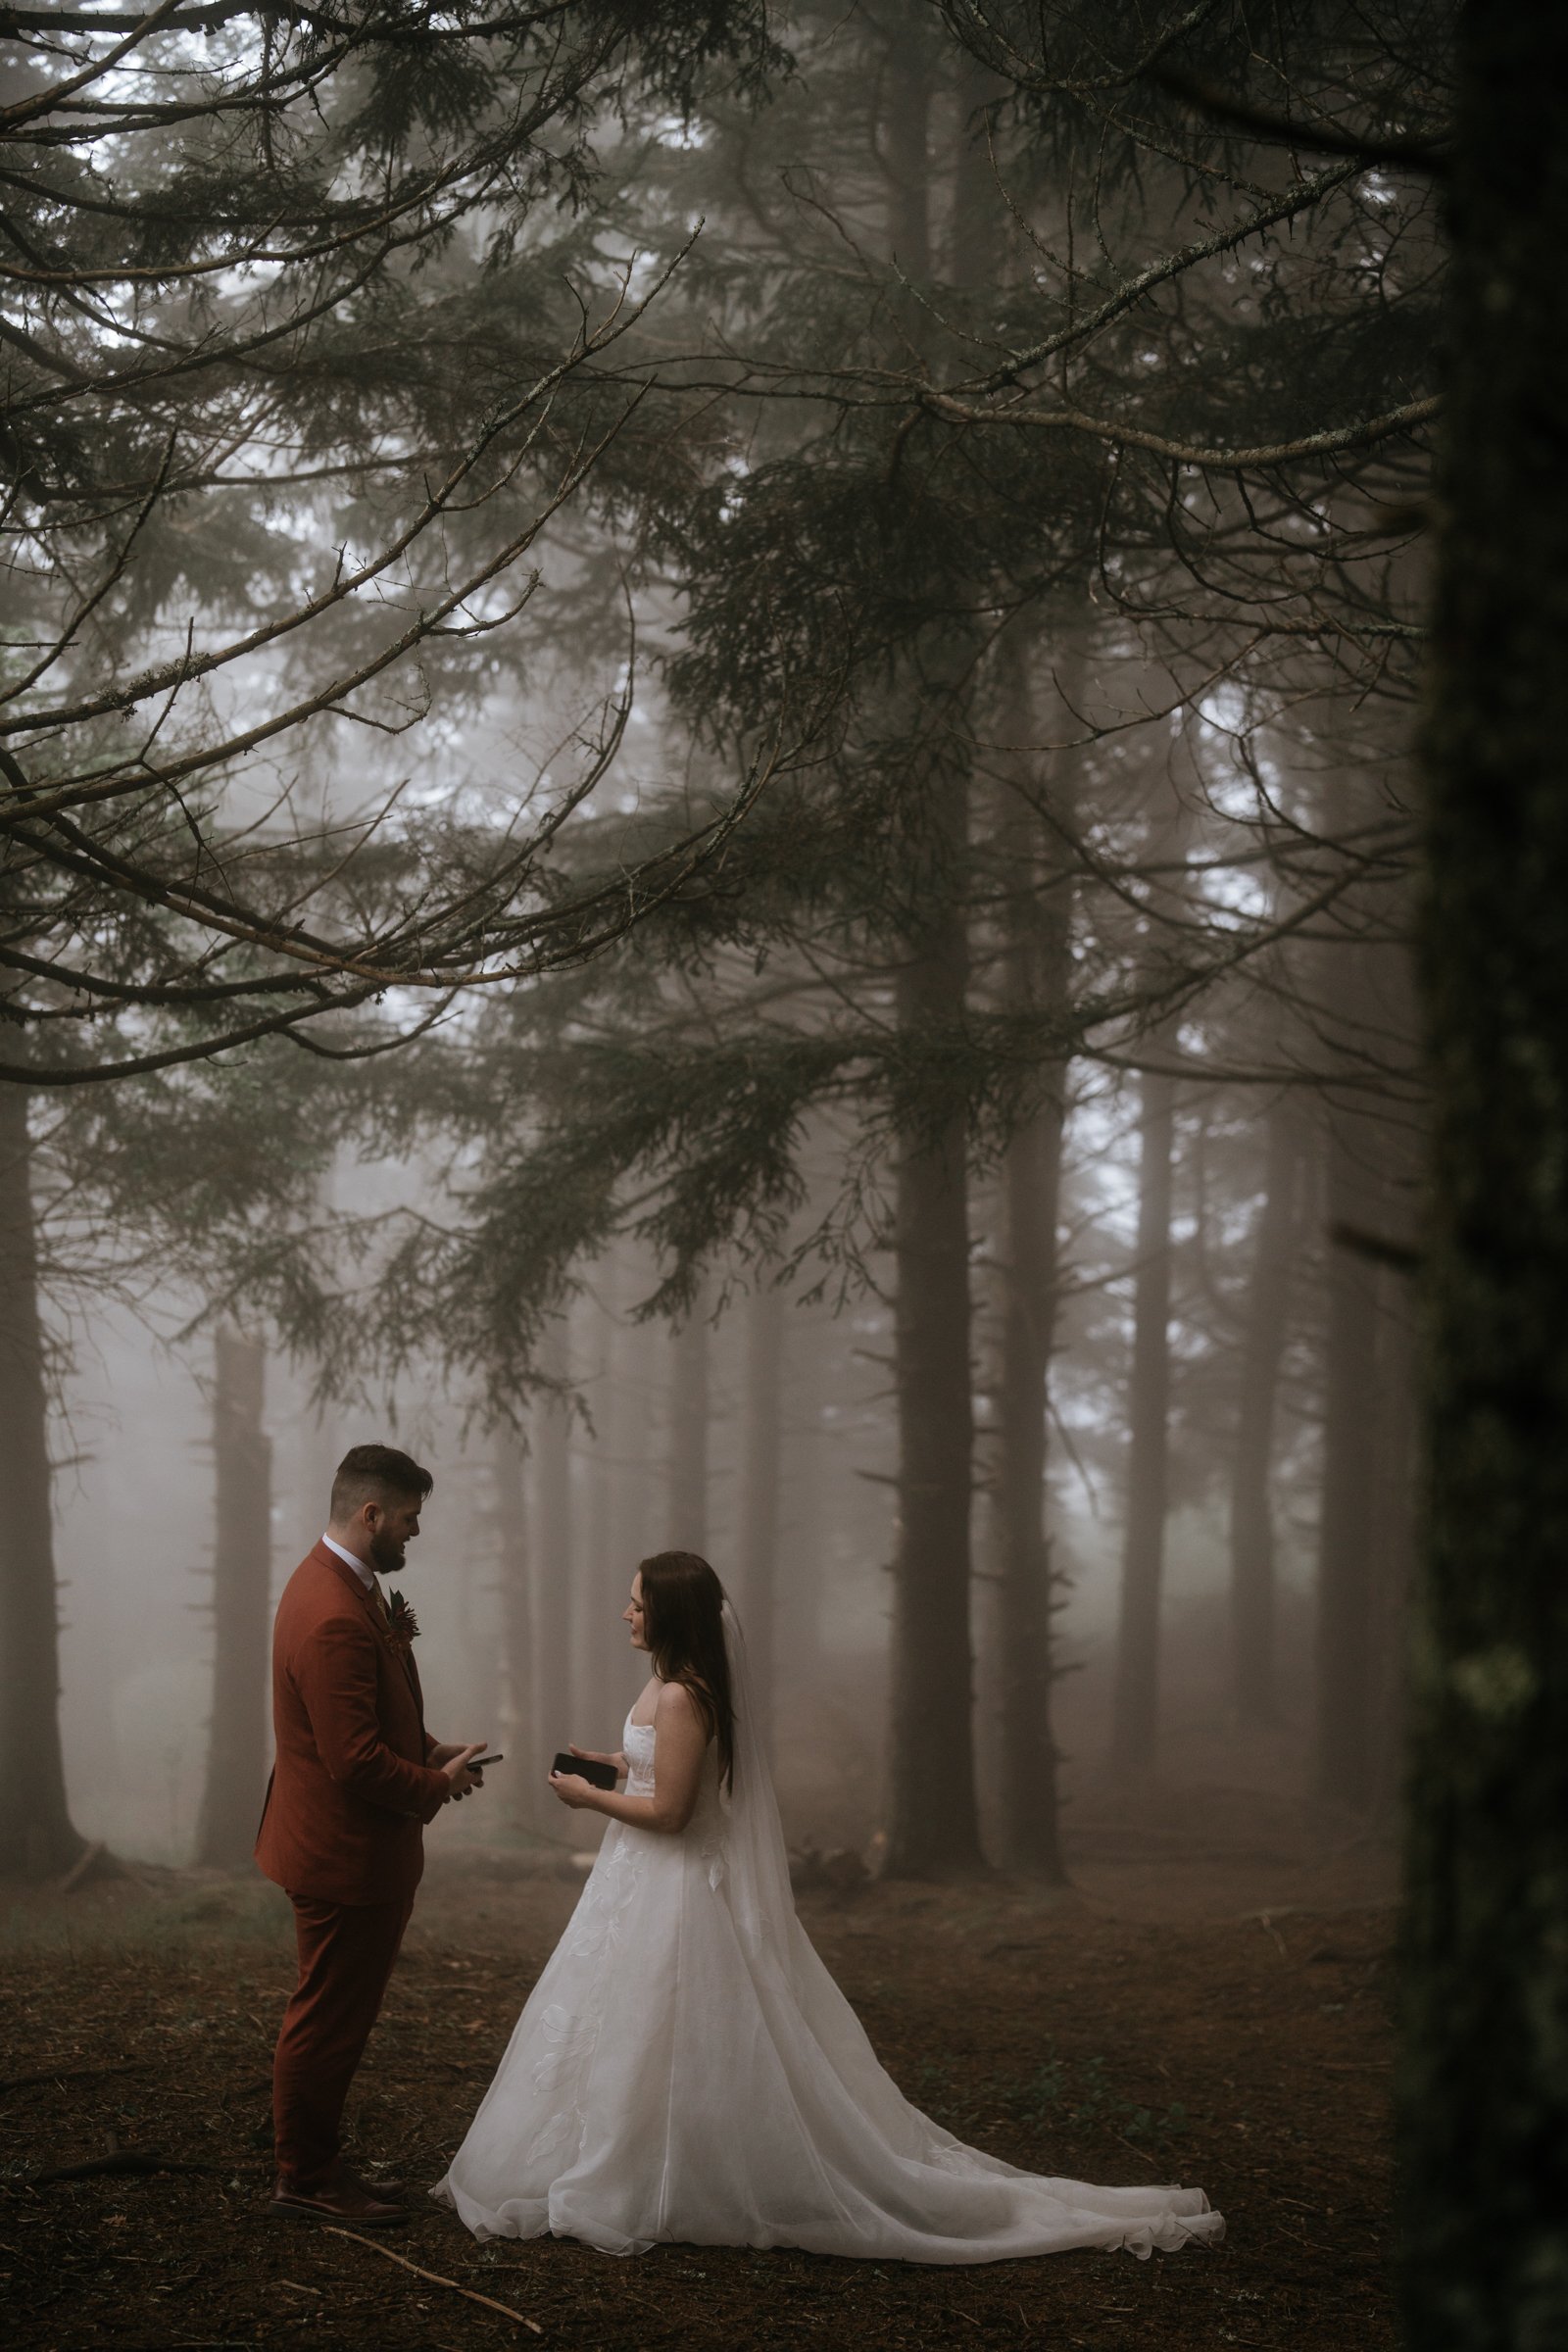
(351, 1789)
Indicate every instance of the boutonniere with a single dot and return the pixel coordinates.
(401, 1622)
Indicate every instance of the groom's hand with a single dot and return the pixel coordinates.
(456, 1763)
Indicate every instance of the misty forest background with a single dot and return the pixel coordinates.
(713, 796)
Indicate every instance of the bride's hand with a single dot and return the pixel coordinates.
(596, 1756)
(571, 1789)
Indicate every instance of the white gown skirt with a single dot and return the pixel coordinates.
(683, 2075)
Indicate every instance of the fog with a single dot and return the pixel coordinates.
(760, 779)
(136, 1537)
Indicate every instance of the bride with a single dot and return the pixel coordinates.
(687, 2070)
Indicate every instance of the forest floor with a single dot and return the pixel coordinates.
(1209, 2004)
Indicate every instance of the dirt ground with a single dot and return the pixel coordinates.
(1206, 2006)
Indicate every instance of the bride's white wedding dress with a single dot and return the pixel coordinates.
(687, 2070)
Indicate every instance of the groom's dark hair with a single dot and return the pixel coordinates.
(375, 1474)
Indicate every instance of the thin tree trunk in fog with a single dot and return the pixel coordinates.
(1345, 1682)
(1135, 1721)
(526, 1731)
(641, 1502)
(1394, 1528)
(760, 1497)
(808, 1505)
(1135, 1705)
(1251, 1530)
(36, 1836)
(608, 1570)
(242, 1577)
(688, 1430)
(934, 1822)
(1028, 1796)
(1036, 961)
(1484, 2122)
(553, 1560)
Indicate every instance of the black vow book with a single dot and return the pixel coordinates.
(603, 1776)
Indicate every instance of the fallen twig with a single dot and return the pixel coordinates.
(434, 2277)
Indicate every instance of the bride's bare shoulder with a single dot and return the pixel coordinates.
(645, 1704)
(677, 1705)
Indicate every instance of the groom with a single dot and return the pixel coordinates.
(357, 1775)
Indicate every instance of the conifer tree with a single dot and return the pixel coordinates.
(321, 332)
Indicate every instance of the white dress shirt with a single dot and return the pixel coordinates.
(350, 1559)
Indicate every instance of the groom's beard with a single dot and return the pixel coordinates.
(387, 1555)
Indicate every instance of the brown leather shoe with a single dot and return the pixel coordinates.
(347, 2202)
(381, 2186)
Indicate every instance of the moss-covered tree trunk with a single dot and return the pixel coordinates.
(242, 1577)
(36, 1836)
(1484, 2100)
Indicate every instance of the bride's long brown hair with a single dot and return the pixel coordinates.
(683, 1626)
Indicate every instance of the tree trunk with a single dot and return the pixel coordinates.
(1252, 1566)
(36, 1834)
(760, 1497)
(1344, 1677)
(1028, 1794)
(610, 1563)
(1135, 1717)
(1484, 2100)
(688, 1432)
(934, 1822)
(242, 1578)
(527, 1736)
(1394, 1538)
(810, 1505)
(1037, 973)
(1134, 1720)
(553, 1568)
(642, 1501)
(1361, 1012)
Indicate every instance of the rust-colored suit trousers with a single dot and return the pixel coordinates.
(346, 1952)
